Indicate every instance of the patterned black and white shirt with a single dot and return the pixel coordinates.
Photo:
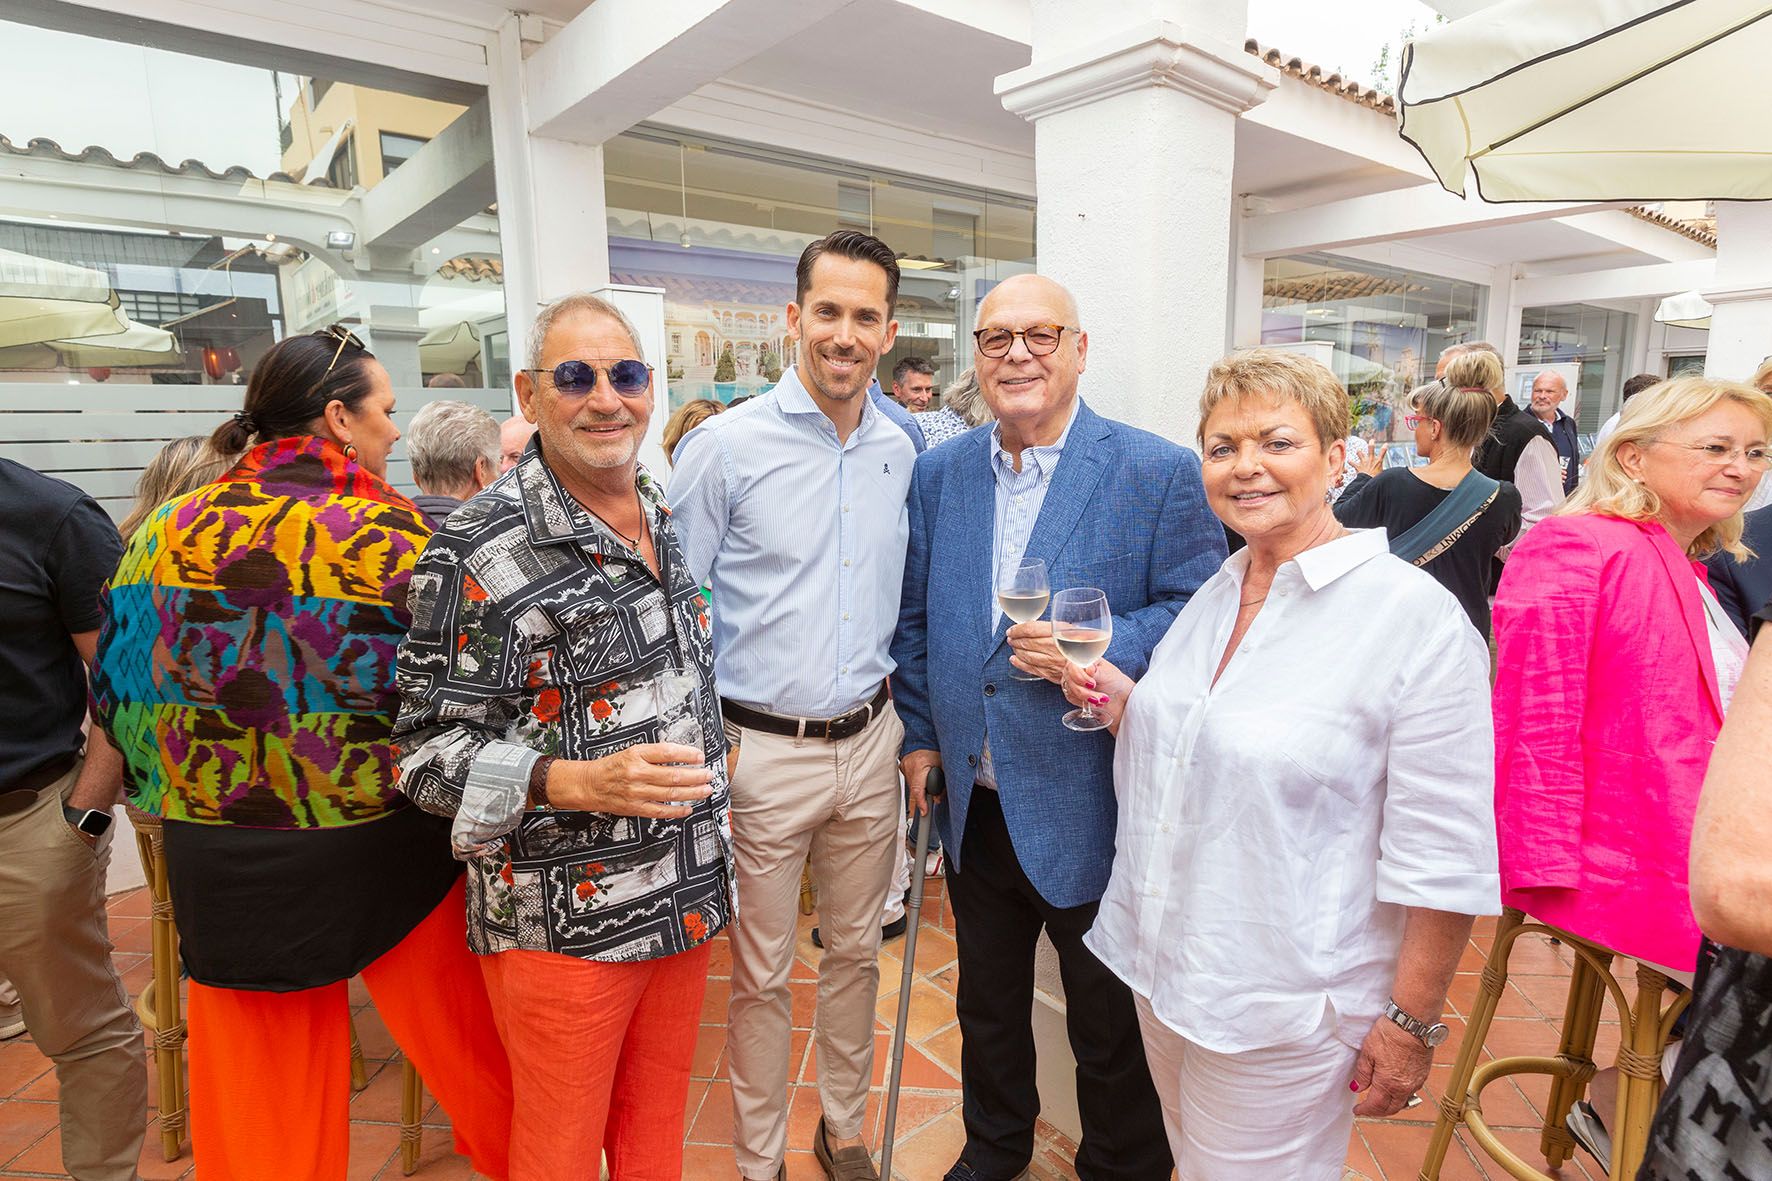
(535, 631)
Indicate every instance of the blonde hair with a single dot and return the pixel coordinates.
(688, 416)
(1762, 377)
(1478, 370)
(1607, 489)
(1464, 411)
(1273, 373)
(966, 399)
(182, 466)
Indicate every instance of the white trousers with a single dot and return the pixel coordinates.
(1280, 1112)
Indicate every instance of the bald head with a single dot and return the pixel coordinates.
(1548, 391)
(1030, 325)
(1036, 287)
(513, 437)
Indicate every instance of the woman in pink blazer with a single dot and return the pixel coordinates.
(1614, 666)
(1612, 676)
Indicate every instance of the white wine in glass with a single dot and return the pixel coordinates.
(1082, 626)
(1022, 595)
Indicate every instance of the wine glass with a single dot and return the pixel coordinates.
(674, 703)
(1082, 627)
(1022, 594)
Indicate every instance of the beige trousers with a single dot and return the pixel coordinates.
(56, 950)
(838, 801)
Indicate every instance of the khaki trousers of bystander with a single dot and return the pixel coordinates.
(55, 947)
(840, 802)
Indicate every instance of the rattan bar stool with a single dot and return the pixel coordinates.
(158, 1006)
(167, 1019)
(1644, 1029)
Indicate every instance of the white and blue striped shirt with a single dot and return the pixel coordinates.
(1019, 497)
(802, 539)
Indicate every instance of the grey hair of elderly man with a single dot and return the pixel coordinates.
(454, 448)
(582, 301)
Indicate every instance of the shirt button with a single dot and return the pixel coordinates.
(845, 617)
(845, 508)
(1018, 498)
(844, 669)
(1165, 826)
(846, 561)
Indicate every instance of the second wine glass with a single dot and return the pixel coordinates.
(1082, 626)
(1022, 593)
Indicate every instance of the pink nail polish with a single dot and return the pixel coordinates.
(1353, 1086)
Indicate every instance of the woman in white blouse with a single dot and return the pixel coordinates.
(1306, 821)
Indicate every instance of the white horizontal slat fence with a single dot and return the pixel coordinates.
(99, 438)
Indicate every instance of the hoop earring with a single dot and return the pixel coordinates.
(351, 452)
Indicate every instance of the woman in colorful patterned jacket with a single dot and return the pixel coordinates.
(246, 672)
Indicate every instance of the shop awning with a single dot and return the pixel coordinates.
(1625, 100)
(44, 300)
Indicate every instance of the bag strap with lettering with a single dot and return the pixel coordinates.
(1435, 533)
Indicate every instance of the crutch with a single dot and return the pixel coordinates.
(934, 787)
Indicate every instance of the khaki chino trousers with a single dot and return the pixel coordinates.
(840, 803)
(56, 949)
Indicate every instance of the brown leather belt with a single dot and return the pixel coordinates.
(829, 729)
(20, 795)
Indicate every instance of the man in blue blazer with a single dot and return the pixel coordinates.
(1744, 587)
(1028, 820)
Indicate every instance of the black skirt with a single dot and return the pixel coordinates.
(279, 910)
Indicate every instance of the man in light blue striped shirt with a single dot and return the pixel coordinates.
(792, 508)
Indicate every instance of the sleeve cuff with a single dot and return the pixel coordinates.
(494, 797)
(1455, 893)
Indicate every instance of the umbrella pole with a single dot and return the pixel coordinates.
(934, 787)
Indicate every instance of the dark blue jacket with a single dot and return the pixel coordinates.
(1125, 512)
(1744, 587)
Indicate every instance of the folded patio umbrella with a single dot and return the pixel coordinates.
(1686, 310)
(137, 346)
(42, 299)
(1596, 100)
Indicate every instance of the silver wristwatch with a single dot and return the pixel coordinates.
(1428, 1035)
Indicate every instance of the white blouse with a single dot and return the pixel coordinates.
(1274, 826)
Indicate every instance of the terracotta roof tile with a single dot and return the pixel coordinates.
(1701, 230)
(1313, 75)
(142, 161)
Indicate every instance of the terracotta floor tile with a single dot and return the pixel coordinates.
(21, 1064)
(131, 904)
(713, 1124)
(710, 1048)
(931, 1151)
(373, 1147)
(22, 1124)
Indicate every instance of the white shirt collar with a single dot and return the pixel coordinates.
(1322, 564)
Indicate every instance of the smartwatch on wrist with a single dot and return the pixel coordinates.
(1428, 1035)
(90, 821)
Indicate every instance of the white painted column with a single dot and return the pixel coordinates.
(552, 219)
(1134, 105)
(1741, 294)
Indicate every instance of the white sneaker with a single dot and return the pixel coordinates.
(12, 1022)
(1585, 1125)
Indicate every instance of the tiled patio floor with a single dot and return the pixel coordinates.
(930, 1132)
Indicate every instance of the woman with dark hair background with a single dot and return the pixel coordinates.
(246, 671)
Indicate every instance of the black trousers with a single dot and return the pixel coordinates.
(998, 915)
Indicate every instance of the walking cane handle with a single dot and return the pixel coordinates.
(935, 784)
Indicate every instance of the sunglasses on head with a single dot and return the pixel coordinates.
(575, 379)
(344, 336)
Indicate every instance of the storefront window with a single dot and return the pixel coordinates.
(719, 226)
(1377, 327)
(1593, 343)
(189, 213)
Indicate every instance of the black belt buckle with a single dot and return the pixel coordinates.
(849, 724)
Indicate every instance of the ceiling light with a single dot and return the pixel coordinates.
(436, 250)
(270, 237)
(340, 239)
(907, 263)
(683, 240)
